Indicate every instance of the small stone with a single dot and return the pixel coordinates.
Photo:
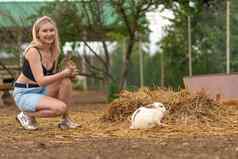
(134, 146)
(217, 157)
(185, 144)
(236, 149)
(163, 143)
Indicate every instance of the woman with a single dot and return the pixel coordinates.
(39, 90)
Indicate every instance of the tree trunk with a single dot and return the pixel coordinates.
(125, 66)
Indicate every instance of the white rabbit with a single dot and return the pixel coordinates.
(148, 117)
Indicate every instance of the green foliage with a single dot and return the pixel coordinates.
(68, 27)
(132, 88)
(112, 91)
(234, 37)
(152, 69)
(117, 60)
(208, 41)
(208, 37)
(77, 85)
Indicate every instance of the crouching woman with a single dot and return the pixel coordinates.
(39, 90)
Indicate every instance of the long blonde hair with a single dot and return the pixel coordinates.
(55, 47)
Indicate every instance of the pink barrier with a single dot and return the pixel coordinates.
(220, 86)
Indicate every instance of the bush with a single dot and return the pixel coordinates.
(112, 91)
(132, 88)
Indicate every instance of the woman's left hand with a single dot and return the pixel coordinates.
(74, 69)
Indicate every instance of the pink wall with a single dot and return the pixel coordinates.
(215, 84)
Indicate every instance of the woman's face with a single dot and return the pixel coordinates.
(47, 33)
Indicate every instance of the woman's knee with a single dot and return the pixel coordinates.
(56, 106)
(60, 109)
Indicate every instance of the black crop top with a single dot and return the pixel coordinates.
(26, 69)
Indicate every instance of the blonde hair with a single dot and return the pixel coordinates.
(55, 47)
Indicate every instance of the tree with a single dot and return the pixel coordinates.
(12, 37)
(88, 20)
(208, 40)
(132, 13)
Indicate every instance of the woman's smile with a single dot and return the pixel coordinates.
(47, 33)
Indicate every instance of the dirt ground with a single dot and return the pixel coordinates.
(101, 140)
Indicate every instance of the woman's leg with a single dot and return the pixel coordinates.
(62, 90)
(48, 107)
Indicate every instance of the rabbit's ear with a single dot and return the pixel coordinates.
(158, 104)
(150, 106)
(134, 114)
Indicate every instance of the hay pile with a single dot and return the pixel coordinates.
(182, 106)
(185, 107)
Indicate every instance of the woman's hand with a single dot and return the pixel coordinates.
(71, 71)
(67, 72)
(69, 64)
(74, 71)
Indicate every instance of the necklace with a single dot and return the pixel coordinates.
(47, 60)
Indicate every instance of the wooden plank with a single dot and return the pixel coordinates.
(1, 102)
(4, 74)
(11, 67)
(6, 87)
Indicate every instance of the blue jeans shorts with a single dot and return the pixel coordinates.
(27, 98)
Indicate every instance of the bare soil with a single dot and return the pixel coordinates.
(101, 140)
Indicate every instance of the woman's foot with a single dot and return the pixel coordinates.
(68, 124)
(33, 121)
(26, 122)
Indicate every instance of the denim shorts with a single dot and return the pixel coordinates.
(27, 98)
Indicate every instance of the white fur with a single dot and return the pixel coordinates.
(148, 117)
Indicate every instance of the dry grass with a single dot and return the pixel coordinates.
(182, 106)
(188, 115)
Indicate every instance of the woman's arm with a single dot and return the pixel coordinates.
(36, 66)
